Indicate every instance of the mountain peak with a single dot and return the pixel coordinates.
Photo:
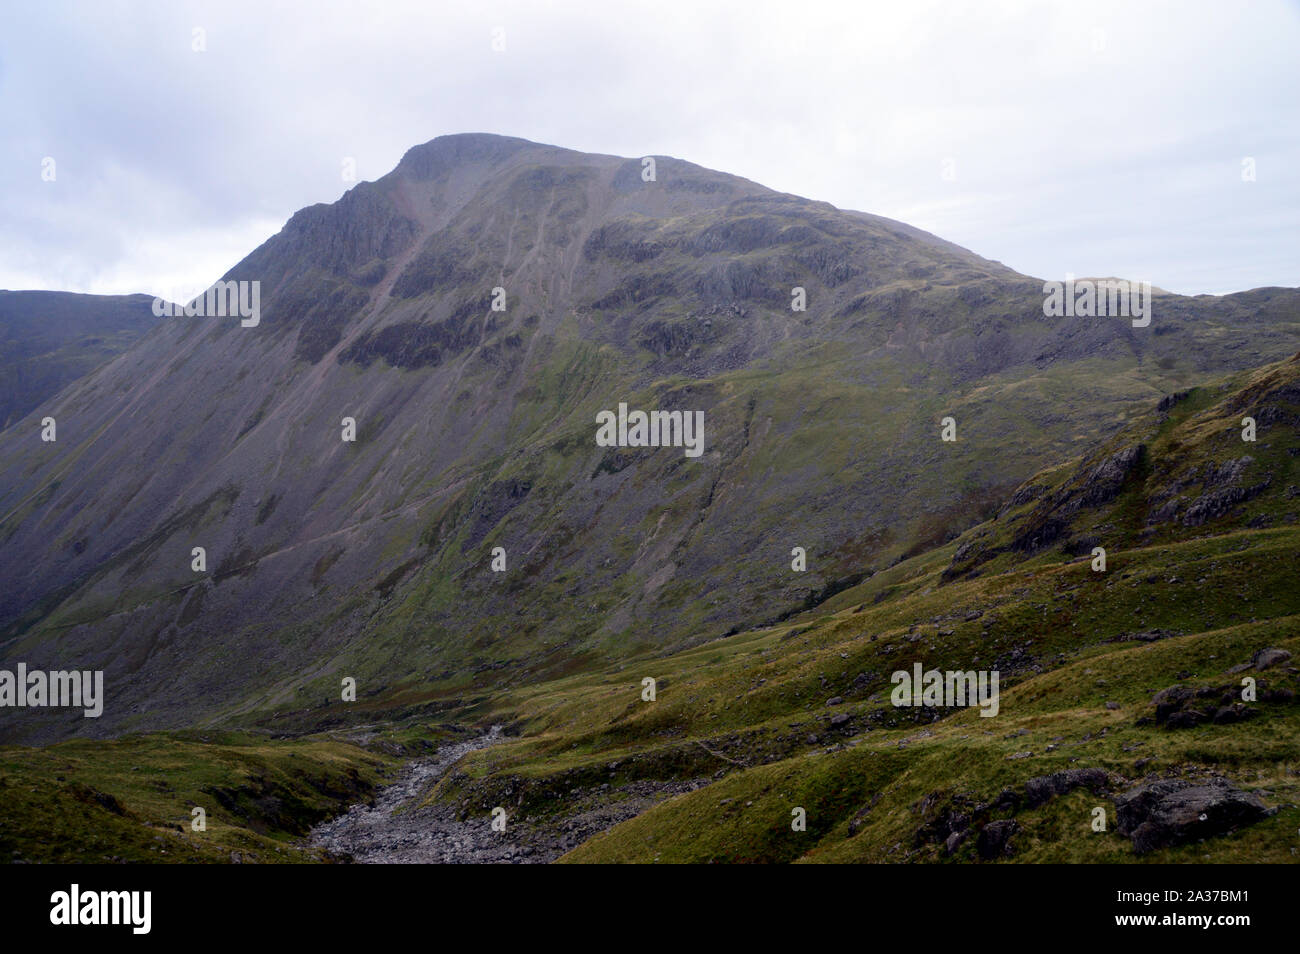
(434, 158)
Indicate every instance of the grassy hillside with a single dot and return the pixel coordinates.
(131, 800)
(1134, 672)
(1082, 654)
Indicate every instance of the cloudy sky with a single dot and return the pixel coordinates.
(1095, 138)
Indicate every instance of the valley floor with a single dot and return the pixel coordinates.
(398, 829)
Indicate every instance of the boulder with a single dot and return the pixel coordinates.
(1171, 700)
(1269, 657)
(1233, 713)
(995, 839)
(1185, 719)
(1173, 811)
(1047, 787)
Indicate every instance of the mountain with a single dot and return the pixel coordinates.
(476, 429)
(49, 339)
(1121, 732)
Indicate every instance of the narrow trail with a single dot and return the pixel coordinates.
(435, 834)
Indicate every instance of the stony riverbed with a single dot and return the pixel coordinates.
(393, 831)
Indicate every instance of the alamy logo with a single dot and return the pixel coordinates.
(103, 907)
(54, 688)
(1108, 298)
(221, 300)
(653, 429)
(950, 689)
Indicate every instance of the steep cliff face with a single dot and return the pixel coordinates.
(475, 429)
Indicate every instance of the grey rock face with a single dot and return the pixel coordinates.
(995, 839)
(1174, 811)
(1047, 787)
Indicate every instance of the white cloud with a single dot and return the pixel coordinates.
(1072, 153)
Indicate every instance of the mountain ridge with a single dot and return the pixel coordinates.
(48, 339)
(475, 427)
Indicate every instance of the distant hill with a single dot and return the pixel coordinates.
(49, 339)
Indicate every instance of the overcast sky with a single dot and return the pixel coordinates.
(1094, 138)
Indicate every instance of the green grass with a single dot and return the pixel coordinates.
(130, 800)
(747, 715)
